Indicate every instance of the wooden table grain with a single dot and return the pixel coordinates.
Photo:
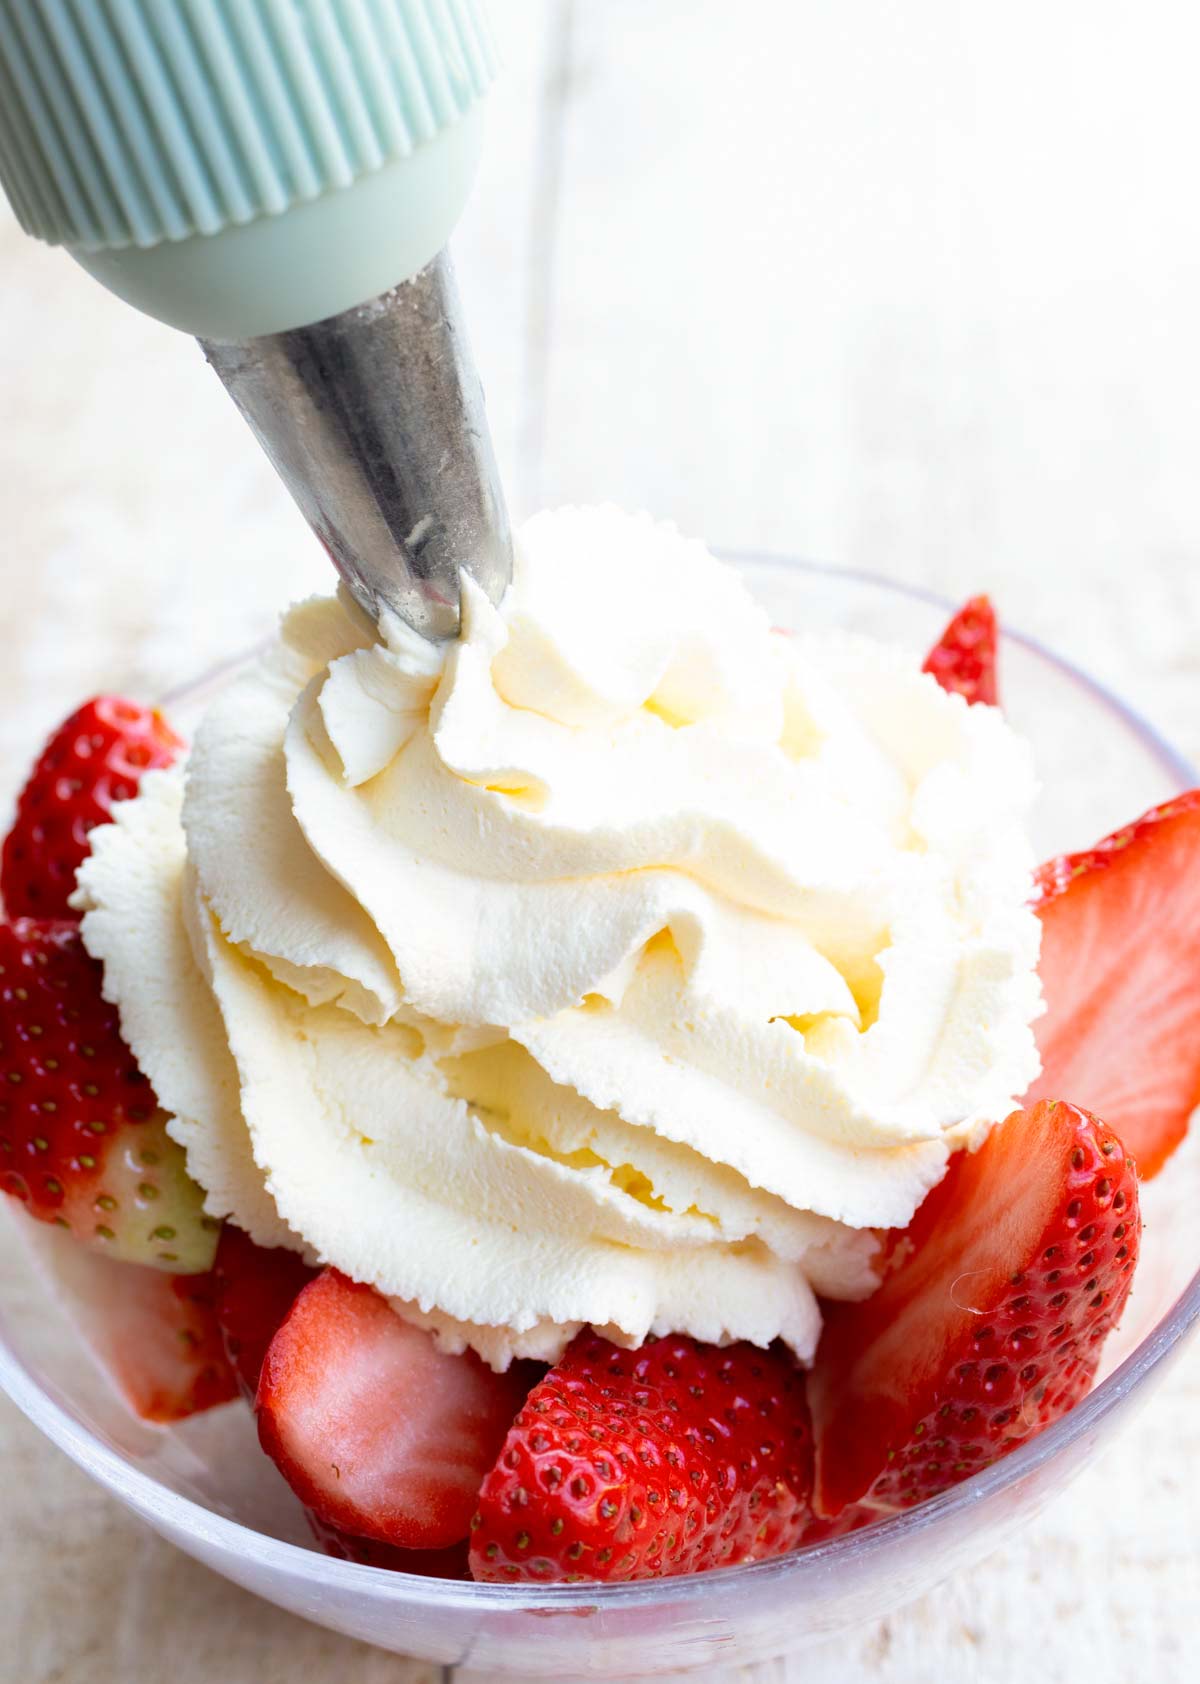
(904, 288)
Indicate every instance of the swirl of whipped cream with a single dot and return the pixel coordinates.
(622, 963)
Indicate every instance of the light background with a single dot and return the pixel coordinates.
(913, 288)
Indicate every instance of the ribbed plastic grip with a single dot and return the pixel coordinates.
(127, 123)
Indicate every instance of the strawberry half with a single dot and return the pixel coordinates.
(82, 1141)
(154, 1334)
(642, 1464)
(256, 1286)
(377, 1431)
(164, 1349)
(964, 658)
(96, 758)
(990, 1322)
(1120, 969)
(852, 1519)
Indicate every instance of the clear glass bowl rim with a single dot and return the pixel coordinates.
(141, 1491)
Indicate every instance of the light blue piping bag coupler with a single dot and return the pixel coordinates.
(280, 178)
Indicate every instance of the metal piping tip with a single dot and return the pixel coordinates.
(374, 419)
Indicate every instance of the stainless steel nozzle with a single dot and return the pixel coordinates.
(374, 419)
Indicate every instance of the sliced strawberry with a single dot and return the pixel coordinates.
(642, 1464)
(156, 1337)
(990, 1322)
(1120, 969)
(430, 1564)
(818, 1530)
(380, 1434)
(256, 1286)
(964, 658)
(96, 758)
(82, 1141)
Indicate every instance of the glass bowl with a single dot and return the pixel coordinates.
(206, 1486)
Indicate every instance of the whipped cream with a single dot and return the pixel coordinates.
(624, 962)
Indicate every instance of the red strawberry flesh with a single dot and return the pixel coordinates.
(96, 758)
(964, 658)
(643, 1464)
(379, 1432)
(1120, 970)
(990, 1323)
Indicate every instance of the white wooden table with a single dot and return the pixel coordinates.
(908, 288)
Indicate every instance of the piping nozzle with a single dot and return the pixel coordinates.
(279, 178)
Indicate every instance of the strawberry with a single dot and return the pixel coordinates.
(255, 1288)
(94, 759)
(155, 1336)
(989, 1322)
(964, 658)
(170, 1363)
(381, 1434)
(430, 1564)
(851, 1519)
(1120, 969)
(643, 1464)
(82, 1141)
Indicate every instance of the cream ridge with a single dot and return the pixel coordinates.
(624, 962)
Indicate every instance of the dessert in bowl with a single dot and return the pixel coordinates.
(744, 1304)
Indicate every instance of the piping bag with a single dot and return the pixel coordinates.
(280, 178)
